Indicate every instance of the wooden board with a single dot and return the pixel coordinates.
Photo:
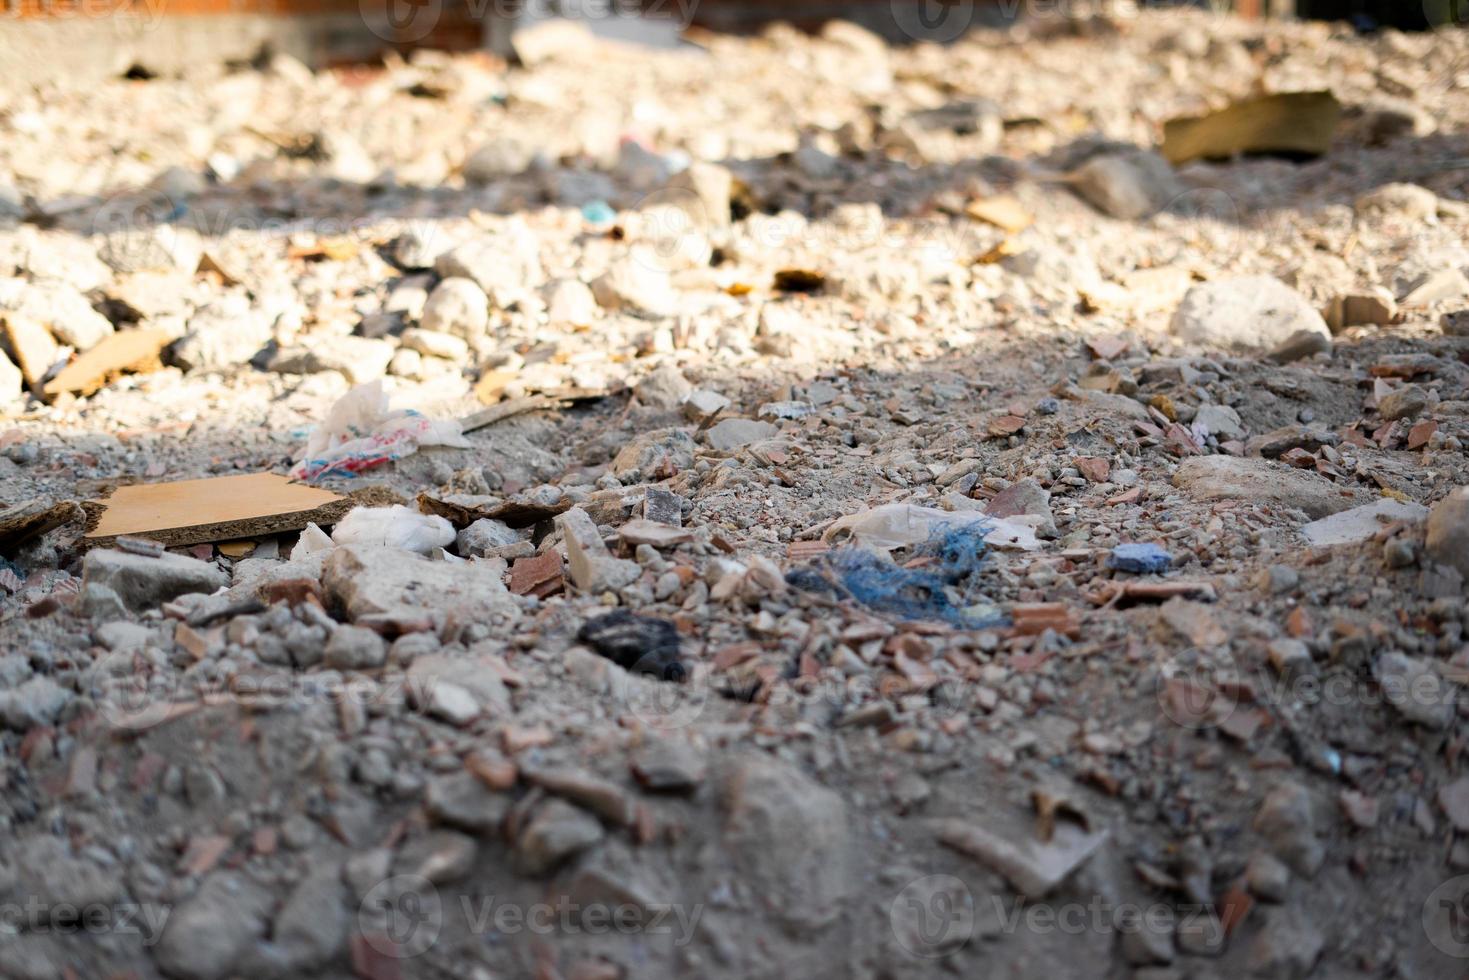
(22, 522)
(217, 509)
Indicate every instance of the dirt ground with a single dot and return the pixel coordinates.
(920, 529)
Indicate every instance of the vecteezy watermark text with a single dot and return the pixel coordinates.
(33, 915)
(402, 917)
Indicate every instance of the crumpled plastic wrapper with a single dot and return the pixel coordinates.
(360, 432)
(908, 525)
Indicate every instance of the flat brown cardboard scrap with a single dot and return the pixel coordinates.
(1293, 123)
(127, 351)
(216, 509)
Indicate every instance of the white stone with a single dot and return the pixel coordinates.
(1251, 311)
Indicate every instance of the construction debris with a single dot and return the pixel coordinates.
(219, 509)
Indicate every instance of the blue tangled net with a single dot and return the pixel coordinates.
(911, 593)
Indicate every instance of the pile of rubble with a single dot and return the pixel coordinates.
(795, 506)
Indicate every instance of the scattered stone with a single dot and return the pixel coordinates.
(355, 648)
(1290, 658)
(664, 388)
(462, 800)
(222, 337)
(1254, 311)
(702, 404)
(593, 569)
(1220, 420)
(59, 308)
(1267, 878)
(213, 929)
(1453, 798)
(1287, 821)
(38, 701)
(1361, 523)
(570, 301)
(1437, 287)
(1406, 402)
(1130, 187)
(487, 536)
(554, 834)
(667, 765)
(1405, 202)
(586, 790)
(731, 434)
(1278, 579)
(1416, 690)
(710, 186)
(1260, 481)
(32, 346)
(500, 157)
(459, 307)
(655, 455)
(1299, 346)
(1035, 868)
(503, 265)
(433, 343)
(1287, 947)
(12, 381)
(392, 591)
(636, 284)
(144, 582)
(1375, 307)
(1448, 530)
(1025, 497)
(792, 838)
(358, 359)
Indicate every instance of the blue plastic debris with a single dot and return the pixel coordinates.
(598, 213)
(929, 592)
(1140, 559)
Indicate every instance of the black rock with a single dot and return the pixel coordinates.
(641, 644)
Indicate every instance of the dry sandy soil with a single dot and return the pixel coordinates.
(761, 286)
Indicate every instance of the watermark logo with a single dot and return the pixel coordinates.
(933, 917)
(1198, 690)
(934, 21)
(663, 705)
(136, 229)
(1446, 918)
(401, 916)
(401, 21)
(130, 694)
(1446, 14)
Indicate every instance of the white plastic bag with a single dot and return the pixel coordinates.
(905, 525)
(394, 527)
(360, 432)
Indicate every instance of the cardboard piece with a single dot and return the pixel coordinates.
(126, 350)
(223, 508)
(1005, 213)
(1287, 123)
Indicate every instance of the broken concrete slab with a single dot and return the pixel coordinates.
(146, 581)
(396, 591)
(1262, 481)
(1361, 523)
(1034, 867)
